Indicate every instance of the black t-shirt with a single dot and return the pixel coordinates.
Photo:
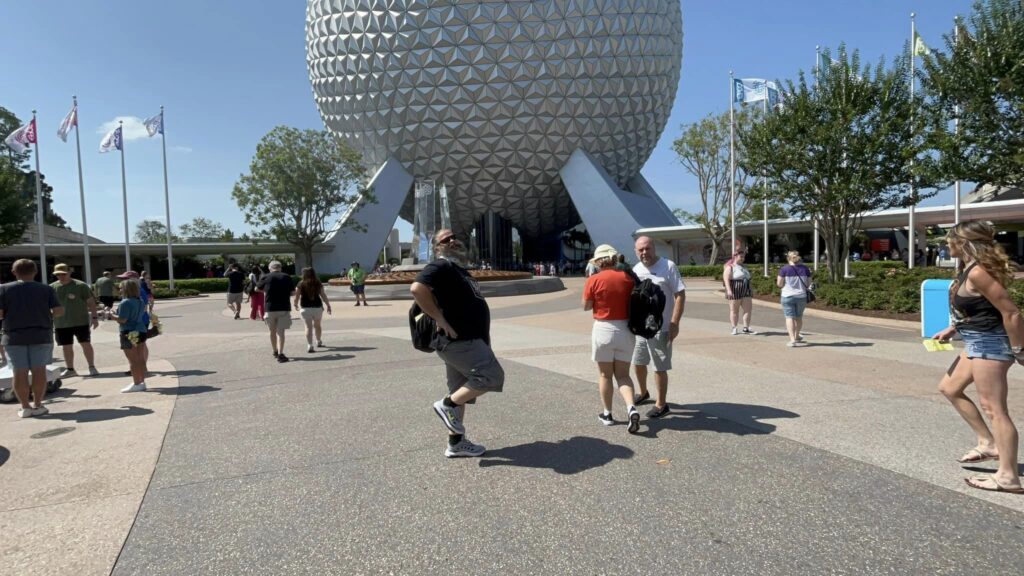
(27, 316)
(278, 287)
(236, 280)
(458, 297)
(306, 302)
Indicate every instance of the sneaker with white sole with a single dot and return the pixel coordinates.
(450, 417)
(747, 330)
(634, 421)
(605, 419)
(464, 449)
(26, 413)
(140, 387)
(68, 373)
(310, 349)
(735, 331)
(40, 411)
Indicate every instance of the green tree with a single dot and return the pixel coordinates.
(28, 192)
(703, 150)
(9, 122)
(852, 143)
(152, 232)
(14, 211)
(297, 181)
(206, 230)
(982, 72)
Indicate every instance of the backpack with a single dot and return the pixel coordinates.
(646, 307)
(422, 328)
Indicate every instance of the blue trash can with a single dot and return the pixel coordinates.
(934, 306)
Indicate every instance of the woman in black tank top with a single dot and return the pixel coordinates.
(311, 299)
(993, 333)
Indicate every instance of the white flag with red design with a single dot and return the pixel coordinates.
(71, 120)
(22, 137)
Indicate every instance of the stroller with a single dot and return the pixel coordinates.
(7, 396)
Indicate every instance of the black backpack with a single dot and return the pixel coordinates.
(646, 307)
(422, 328)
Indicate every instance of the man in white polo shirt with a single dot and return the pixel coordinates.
(658, 349)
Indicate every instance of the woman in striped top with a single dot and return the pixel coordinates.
(737, 291)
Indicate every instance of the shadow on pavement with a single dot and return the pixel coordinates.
(183, 373)
(64, 393)
(738, 419)
(320, 358)
(5, 455)
(183, 390)
(839, 344)
(348, 348)
(97, 414)
(570, 456)
(770, 333)
(980, 470)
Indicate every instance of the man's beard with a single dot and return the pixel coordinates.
(455, 252)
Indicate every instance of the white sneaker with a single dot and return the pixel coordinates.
(140, 387)
(68, 373)
(26, 413)
(791, 344)
(464, 449)
(40, 411)
(310, 349)
(735, 331)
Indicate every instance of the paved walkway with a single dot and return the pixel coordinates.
(834, 458)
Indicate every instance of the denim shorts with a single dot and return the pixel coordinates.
(793, 306)
(25, 357)
(989, 345)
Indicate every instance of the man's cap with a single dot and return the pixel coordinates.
(129, 274)
(61, 269)
(605, 251)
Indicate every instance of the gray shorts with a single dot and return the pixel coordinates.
(657, 349)
(471, 363)
(234, 297)
(278, 321)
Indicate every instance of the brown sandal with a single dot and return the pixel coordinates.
(974, 456)
(994, 486)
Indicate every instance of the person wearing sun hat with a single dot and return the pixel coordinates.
(607, 294)
(78, 321)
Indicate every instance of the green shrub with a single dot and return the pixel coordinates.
(713, 271)
(201, 285)
(187, 292)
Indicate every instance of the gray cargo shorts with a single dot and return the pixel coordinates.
(657, 350)
(470, 363)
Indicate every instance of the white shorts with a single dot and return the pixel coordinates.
(311, 313)
(611, 340)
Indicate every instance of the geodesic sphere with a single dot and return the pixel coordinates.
(492, 97)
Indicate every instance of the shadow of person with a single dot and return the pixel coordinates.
(321, 358)
(719, 417)
(570, 456)
(5, 455)
(846, 344)
(97, 414)
(183, 390)
(348, 348)
(63, 394)
(983, 470)
(183, 373)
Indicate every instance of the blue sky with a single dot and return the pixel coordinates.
(229, 71)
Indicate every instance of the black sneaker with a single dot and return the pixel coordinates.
(281, 358)
(658, 412)
(276, 354)
(641, 398)
(634, 421)
(605, 419)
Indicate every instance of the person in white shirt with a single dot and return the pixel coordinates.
(664, 273)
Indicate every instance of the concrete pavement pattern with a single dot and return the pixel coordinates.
(838, 458)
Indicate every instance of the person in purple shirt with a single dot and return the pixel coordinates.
(794, 279)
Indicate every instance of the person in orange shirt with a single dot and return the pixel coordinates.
(607, 294)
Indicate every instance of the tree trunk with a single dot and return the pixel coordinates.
(714, 251)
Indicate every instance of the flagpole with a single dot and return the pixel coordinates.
(124, 195)
(39, 205)
(956, 128)
(817, 65)
(765, 201)
(81, 192)
(167, 203)
(732, 164)
(911, 249)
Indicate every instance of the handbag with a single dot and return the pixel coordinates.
(810, 291)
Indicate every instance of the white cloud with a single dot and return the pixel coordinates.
(134, 129)
(182, 149)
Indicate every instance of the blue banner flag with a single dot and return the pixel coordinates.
(112, 141)
(747, 90)
(155, 125)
